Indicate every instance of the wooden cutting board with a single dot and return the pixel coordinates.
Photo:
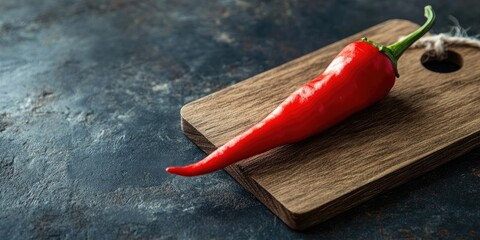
(428, 119)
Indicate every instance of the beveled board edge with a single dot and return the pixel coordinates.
(416, 168)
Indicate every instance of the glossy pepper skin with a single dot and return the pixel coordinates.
(360, 75)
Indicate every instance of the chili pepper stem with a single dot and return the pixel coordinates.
(399, 47)
(396, 50)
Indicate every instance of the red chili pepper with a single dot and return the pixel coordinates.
(361, 74)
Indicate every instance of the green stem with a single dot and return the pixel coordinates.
(399, 47)
(396, 50)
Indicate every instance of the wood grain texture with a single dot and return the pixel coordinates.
(428, 119)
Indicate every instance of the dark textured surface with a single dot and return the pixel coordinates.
(89, 118)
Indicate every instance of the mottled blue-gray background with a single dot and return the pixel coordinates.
(90, 93)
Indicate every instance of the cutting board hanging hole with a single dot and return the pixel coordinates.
(451, 62)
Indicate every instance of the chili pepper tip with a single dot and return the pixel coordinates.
(178, 171)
